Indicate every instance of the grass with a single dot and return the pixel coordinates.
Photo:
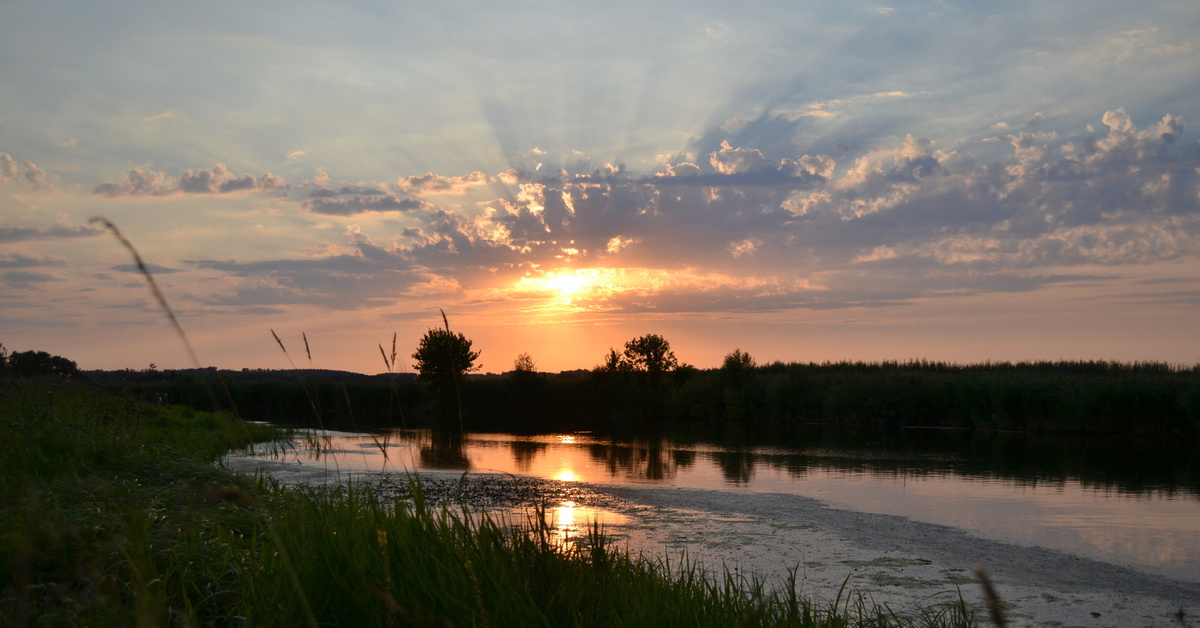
(112, 514)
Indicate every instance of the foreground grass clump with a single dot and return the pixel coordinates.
(98, 497)
(111, 514)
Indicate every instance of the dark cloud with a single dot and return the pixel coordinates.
(20, 260)
(24, 279)
(360, 204)
(61, 229)
(218, 180)
(153, 268)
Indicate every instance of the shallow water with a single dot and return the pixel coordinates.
(1154, 529)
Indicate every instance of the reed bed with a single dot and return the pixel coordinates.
(111, 513)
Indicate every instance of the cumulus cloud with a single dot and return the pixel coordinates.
(730, 160)
(37, 179)
(219, 180)
(8, 169)
(734, 230)
(436, 184)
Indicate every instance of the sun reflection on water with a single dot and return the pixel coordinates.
(566, 475)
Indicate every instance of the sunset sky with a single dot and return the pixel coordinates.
(807, 181)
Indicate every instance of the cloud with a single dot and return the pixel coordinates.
(24, 279)
(435, 184)
(736, 231)
(730, 160)
(153, 268)
(37, 178)
(369, 276)
(60, 229)
(21, 260)
(8, 169)
(361, 203)
(144, 182)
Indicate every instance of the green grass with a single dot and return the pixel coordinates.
(111, 514)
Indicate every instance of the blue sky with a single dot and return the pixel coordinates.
(806, 181)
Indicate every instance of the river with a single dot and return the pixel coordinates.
(1093, 544)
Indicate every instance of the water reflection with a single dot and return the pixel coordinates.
(651, 460)
(1002, 494)
(442, 450)
(736, 466)
(569, 524)
(524, 452)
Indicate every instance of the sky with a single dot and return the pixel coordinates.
(805, 181)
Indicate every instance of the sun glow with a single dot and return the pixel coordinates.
(567, 285)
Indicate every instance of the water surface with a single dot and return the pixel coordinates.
(1150, 526)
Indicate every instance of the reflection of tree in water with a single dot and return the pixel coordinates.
(684, 458)
(641, 460)
(523, 453)
(444, 450)
(736, 466)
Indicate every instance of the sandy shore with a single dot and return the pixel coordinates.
(895, 560)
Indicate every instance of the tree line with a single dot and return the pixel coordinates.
(644, 384)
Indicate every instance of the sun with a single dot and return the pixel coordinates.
(567, 284)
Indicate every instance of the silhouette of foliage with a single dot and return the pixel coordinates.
(650, 353)
(443, 355)
(738, 360)
(525, 364)
(40, 364)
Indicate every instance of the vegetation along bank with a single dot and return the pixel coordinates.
(634, 387)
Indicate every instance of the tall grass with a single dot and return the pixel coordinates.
(111, 514)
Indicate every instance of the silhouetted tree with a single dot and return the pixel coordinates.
(738, 360)
(40, 364)
(444, 356)
(615, 362)
(524, 364)
(650, 353)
